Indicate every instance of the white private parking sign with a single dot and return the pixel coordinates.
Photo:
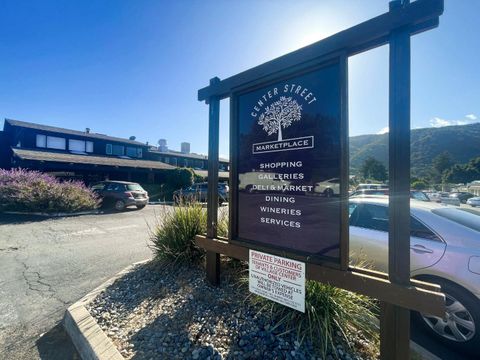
(276, 278)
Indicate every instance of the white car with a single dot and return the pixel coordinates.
(250, 180)
(328, 187)
(444, 249)
(475, 201)
(434, 196)
(371, 186)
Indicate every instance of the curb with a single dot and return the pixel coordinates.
(422, 352)
(91, 212)
(93, 344)
(86, 335)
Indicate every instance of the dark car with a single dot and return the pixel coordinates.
(463, 196)
(198, 192)
(121, 194)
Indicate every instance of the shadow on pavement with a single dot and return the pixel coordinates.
(56, 345)
(12, 219)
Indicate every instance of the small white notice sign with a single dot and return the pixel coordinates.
(276, 278)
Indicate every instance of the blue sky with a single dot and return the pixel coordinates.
(134, 67)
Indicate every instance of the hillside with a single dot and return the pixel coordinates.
(461, 141)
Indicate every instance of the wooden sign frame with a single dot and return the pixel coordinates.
(397, 292)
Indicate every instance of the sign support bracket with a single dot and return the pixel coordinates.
(395, 320)
(212, 258)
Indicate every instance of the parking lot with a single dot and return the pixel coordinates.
(49, 263)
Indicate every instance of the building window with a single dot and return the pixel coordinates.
(131, 151)
(174, 161)
(80, 145)
(89, 147)
(167, 160)
(54, 142)
(41, 141)
(108, 149)
(139, 152)
(118, 150)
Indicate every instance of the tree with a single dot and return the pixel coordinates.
(463, 173)
(419, 185)
(440, 164)
(280, 115)
(373, 169)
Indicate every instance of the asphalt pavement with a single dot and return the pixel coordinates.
(46, 264)
(49, 263)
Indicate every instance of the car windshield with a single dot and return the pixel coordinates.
(419, 195)
(98, 186)
(134, 187)
(463, 217)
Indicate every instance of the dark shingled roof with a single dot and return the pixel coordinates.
(186, 155)
(88, 159)
(25, 124)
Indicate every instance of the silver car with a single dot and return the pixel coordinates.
(444, 249)
(474, 201)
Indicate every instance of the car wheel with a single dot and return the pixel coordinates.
(460, 328)
(119, 205)
(328, 192)
(139, 207)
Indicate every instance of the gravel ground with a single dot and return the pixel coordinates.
(157, 312)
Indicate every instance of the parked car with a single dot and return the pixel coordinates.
(121, 194)
(434, 196)
(414, 194)
(198, 192)
(446, 199)
(462, 196)
(368, 192)
(474, 201)
(328, 188)
(249, 180)
(371, 186)
(444, 249)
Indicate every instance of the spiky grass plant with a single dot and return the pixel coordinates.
(173, 237)
(332, 315)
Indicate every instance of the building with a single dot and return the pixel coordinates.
(89, 156)
(199, 163)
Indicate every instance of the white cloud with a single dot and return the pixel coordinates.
(383, 131)
(439, 122)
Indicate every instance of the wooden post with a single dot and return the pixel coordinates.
(213, 258)
(395, 320)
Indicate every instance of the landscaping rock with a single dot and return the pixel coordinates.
(168, 312)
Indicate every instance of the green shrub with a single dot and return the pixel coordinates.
(331, 315)
(419, 185)
(168, 182)
(33, 191)
(173, 238)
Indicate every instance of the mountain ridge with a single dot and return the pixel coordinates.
(462, 142)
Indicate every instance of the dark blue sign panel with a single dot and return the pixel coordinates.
(288, 165)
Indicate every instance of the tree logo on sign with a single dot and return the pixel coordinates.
(280, 115)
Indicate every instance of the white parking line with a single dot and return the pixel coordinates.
(121, 227)
(92, 231)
